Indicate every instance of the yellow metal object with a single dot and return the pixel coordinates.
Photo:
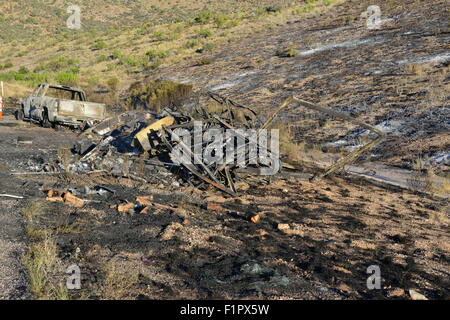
(142, 136)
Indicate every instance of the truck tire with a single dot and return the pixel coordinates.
(19, 115)
(45, 121)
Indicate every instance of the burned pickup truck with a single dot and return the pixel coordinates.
(52, 105)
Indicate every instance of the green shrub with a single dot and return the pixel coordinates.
(158, 35)
(98, 45)
(203, 17)
(7, 65)
(153, 54)
(66, 78)
(231, 23)
(204, 33)
(208, 47)
(191, 44)
(220, 20)
(58, 63)
(130, 61)
(23, 70)
(29, 79)
(111, 66)
(117, 54)
(101, 58)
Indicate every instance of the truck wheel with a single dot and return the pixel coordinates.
(19, 115)
(45, 121)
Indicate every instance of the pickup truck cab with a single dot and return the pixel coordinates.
(53, 104)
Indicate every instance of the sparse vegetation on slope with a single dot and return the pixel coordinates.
(91, 56)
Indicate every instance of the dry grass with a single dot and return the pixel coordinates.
(417, 69)
(40, 260)
(117, 283)
(33, 209)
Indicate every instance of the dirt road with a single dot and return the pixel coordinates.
(14, 282)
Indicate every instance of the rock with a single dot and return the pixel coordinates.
(345, 288)
(416, 296)
(397, 292)
(176, 184)
(125, 207)
(73, 201)
(255, 269)
(294, 230)
(255, 218)
(67, 197)
(283, 226)
(54, 196)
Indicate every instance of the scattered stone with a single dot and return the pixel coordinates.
(345, 288)
(66, 197)
(125, 207)
(294, 230)
(255, 218)
(416, 296)
(283, 226)
(397, 292)
(73, 201)
(54, 196)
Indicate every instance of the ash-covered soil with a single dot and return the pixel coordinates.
(17, 157)
(313, 241)
(396, 77)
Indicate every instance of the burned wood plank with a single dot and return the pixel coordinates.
(353, 156)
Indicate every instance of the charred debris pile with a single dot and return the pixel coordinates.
(172, 147)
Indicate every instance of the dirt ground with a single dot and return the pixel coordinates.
(313, 240)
